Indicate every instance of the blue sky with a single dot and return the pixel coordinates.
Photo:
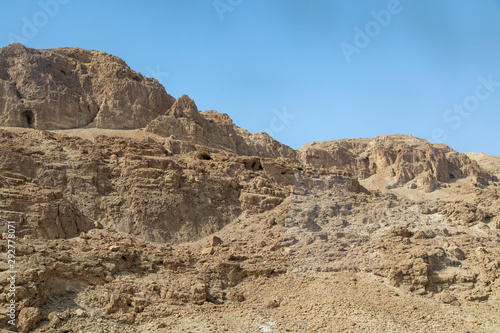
(301, 70)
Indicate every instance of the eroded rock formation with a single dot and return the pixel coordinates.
(71, 88)
(137, 212)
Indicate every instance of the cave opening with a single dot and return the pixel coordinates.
(28, 118)
(204, 156)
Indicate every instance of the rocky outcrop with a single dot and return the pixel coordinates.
(184, 122)
(71, 87)
(489, 163)
(186, 222)
(397, 158)
(56, 186)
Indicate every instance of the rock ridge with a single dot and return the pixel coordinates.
(71, 88)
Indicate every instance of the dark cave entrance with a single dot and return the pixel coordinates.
(28, 118)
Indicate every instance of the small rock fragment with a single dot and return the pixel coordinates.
(207, 251)
(114, 248)
(28, 318)
(214, 241)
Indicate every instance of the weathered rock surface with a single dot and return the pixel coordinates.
(184, 122)
(57, 186)
(71, 88)
(398, 158)
(489, 163)
(187, 222)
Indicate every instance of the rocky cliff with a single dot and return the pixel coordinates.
(400, 159)
(137, 212)
(72, 88)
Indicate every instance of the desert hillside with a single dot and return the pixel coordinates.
(136, 212)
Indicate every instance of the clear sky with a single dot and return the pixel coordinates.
(301, 70)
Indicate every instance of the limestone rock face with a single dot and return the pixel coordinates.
(184, 122)
(489, 163)
(57, 186)
(71, 87)
(136, 230)
(400, 158)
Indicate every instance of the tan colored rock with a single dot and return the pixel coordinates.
(427, 182)
(54, 319)
(236, 296)
(28, 318)
(187, 197)
(496, 222)
(80, 312)
(199, 293)
(184, 122)
(449, 299)
(487, 162)
(214, 241)
(207, 251)
(397, 158)
(71, 88)
(114, 221)
(271, 304)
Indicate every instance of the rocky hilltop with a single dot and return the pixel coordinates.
(72, 88)
(137, 212)
(68, 88)
(402, 159)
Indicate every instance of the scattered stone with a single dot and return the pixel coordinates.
(214, 241)
(448, 299)
(401, 231)
(79, 313)
(272, 304)
(235, 296)
(207, 251)
(28, 318)
(457, 253)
